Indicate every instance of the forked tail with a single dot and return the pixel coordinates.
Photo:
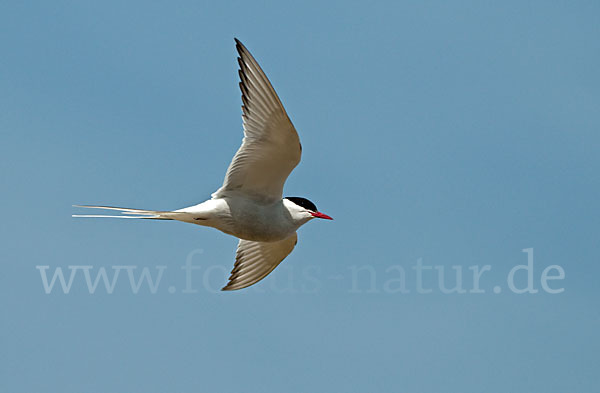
(132, 213)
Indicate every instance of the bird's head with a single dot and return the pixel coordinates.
(302, 209)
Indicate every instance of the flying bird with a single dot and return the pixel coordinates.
(250, 204)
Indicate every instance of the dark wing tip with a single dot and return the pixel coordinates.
(230, 286)
(239, 46)
(232, 277)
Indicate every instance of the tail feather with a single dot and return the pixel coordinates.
(132, 213)
(105, 216)
(121, 209)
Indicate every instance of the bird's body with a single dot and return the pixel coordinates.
(246, 218)
(250, 204)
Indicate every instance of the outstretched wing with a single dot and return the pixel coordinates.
(271, 148)
(255, 260)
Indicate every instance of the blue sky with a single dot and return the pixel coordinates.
(454, 133)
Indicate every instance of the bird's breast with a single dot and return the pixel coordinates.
(257, 222)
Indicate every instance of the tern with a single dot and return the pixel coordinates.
(250, 204)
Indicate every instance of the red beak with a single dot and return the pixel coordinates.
(321, 215)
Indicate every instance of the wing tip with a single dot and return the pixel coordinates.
(239, 46)
(229, 287)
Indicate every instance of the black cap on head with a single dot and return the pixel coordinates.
(305, 203)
